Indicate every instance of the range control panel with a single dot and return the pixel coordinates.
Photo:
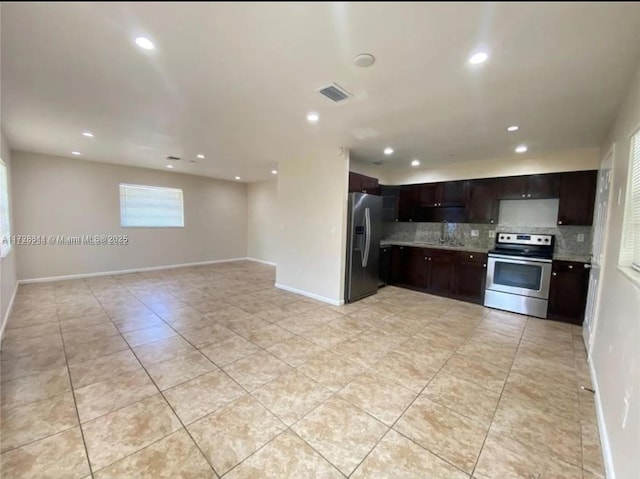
(524, 239)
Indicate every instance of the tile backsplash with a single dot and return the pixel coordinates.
(459, 234)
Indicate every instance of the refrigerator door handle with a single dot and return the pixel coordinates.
(367, 241)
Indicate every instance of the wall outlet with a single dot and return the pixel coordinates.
(580, 238)
(475, 233)
(492, 233)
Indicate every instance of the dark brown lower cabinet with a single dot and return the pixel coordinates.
(439, 271)
(470, 276)
(568, 291)
(454, 274)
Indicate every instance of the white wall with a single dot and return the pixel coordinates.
(65, 196)
(312, 205)
(8, 279)
(262, 218)
(527, 164)
(615, 356)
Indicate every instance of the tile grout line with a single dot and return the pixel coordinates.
(392, 427)
(73, 393)
(160, 392)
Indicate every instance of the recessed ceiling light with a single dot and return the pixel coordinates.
(313, 117)
(169, 166)
(237, 177)
(364, 60)
(88, 134)
(479, 57)
(388, 150)
(521, 149)
(145, 43)
(76, 153)
(513, 128)
(415, 163)
(200, 157)
(274, 172)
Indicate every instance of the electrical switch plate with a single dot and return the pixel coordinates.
(580, 238)
(475, 233)
(492, 234)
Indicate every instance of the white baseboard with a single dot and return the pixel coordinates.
(301, 292)
(5, 319)
(604, 437)
(261, 261)
(125, 271)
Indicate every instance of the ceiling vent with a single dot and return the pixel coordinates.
(334, 92)
(173, 158)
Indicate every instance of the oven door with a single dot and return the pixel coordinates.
(526, 277)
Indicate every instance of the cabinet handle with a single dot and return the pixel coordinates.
(570, 266)
(471, 256)
(429, 259)
(529, 195)
(587, 266)
(484, 265)
(425, 258)
(554, 273)
(491, 222)
(524, 196)
(410, 219)
(559, 222)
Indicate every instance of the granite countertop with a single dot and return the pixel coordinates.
(577, 258)
(472, 249)
(433, 246)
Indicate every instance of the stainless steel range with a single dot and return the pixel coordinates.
(519, 273)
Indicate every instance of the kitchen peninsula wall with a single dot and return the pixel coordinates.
(459, 234)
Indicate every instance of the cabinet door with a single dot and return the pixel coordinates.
(577, 197)
(439, 271)
(384, 264)
(451, 193)
(414, 267)
(470, 272)
(396, 264)
(543, 186)
(355, 182)
(428, 194)
(481, 205)
(407, 203)
(390, 196)
(568, 291)
(513, 188)
(370, 185)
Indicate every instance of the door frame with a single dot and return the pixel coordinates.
(589, 335)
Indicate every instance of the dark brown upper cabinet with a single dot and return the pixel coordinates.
(390, 199)
(529, 187)
(481, 203)
(363, 184)
(445, 194)
(407, 203)
(577, 197)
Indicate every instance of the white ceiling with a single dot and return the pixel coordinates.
(235, 81)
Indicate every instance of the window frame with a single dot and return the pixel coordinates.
(627, 260)
(156, 188)
(5, 236)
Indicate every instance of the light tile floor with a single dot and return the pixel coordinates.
(211, 371)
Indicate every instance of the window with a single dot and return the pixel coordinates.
(630, 251)
(151, 206)
(5, 224)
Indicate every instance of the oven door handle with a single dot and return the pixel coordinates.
(520, 259)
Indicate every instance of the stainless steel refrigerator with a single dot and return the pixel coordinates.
(364, 229)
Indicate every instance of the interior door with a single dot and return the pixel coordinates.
(600, 226)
